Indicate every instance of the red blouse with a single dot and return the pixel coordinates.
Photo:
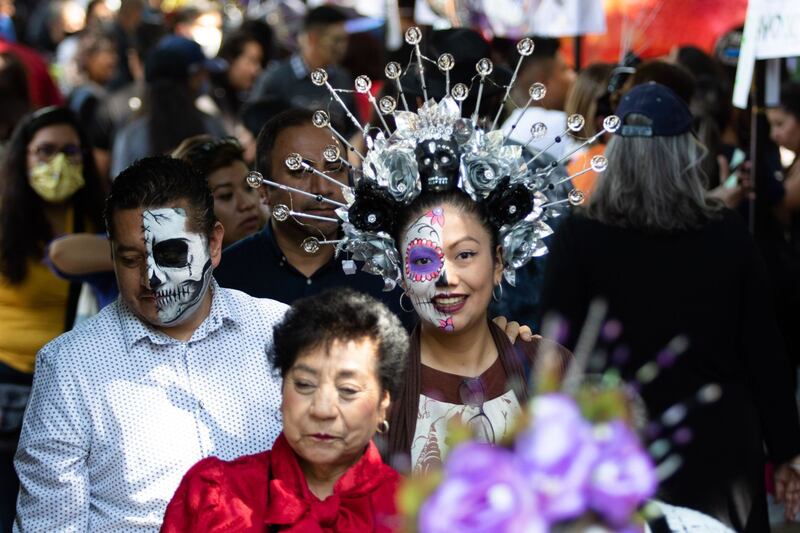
(254, 492)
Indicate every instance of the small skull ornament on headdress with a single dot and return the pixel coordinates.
(437, 162)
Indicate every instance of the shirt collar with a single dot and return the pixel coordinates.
(222, 310)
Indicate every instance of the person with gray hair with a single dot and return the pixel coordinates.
(646, 243)
(656, 182)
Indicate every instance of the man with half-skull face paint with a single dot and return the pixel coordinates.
(178, 263)
(177, 366)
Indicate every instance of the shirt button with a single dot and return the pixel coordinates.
(308, 281)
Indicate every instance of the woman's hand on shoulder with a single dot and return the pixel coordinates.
(513, 329)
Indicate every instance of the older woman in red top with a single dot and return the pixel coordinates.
(340, 354)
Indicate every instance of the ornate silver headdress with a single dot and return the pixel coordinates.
(436, 149)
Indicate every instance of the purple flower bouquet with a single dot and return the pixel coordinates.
(561, 469)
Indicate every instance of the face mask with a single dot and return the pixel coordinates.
(57, 180)
(423, 255)
(178, 264)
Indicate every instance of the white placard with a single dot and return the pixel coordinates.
(517, 18)
(771, 30)
(778, 29)
(567, 18)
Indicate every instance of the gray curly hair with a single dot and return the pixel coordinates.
(654, 184)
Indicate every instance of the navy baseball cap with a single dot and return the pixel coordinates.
(668, 112)
(177, 58)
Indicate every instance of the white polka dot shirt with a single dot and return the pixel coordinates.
(119, 412)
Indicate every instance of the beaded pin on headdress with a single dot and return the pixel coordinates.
(435, 149)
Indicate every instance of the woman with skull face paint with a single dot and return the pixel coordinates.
(427, 210)
(461, 365)
(48, 187)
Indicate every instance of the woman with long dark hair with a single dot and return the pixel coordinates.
(48, 187)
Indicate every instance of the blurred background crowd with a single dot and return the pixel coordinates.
(199, 79)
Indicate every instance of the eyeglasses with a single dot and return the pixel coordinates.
(472, 394)
(47, 151)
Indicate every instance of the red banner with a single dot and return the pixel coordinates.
(651, 28)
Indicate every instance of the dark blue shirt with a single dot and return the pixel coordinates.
(256, 265)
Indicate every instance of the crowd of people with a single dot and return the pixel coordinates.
(227, 303)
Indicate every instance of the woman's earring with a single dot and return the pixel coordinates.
(401, 302)
(496, 296)
(383, 427)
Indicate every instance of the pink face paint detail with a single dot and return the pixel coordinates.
(436, 215)
(447, 324)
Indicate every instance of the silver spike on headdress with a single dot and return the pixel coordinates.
(281, 213)
(525, 48)
(320, 77)
(413, 37)
(446, 62)
(363, 86)
(536, 92)
(575, 123)
(459, 93)
(484, 67)
(332, 154)
(598, 164)
(610, 124)
(321, 119)
(312, 243)
(256, 180)
(393, 71)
